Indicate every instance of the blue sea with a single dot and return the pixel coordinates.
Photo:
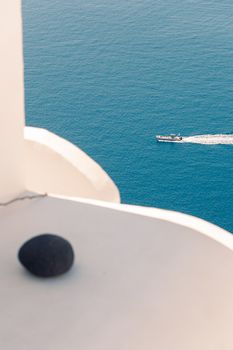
(109, 75)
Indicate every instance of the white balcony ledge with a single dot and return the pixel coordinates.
(55, 165)
(143, 279)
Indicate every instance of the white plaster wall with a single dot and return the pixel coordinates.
(11, 99)
(143, 279)
(54, 165)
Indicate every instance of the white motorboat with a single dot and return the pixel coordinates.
(169, 138)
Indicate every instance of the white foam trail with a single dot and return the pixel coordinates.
(218, 139)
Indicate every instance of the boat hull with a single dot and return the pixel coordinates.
(160, 138)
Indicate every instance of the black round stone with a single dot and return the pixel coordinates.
(46, 255)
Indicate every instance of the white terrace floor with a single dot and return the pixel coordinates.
(139, 281)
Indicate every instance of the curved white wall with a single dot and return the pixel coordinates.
(54, 165)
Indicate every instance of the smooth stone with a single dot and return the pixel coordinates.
(46, 255)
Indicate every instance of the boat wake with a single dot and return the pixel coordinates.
(218, 139)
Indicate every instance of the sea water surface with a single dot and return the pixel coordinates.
(109, 75)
